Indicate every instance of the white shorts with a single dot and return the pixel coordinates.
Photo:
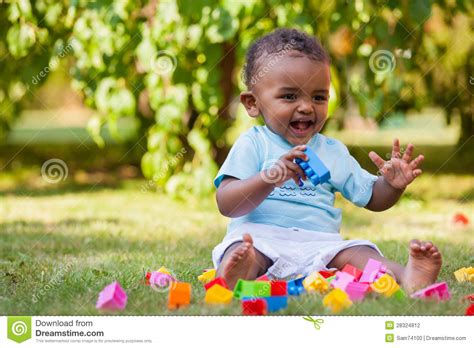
(293, 250)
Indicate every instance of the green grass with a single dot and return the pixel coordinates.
(64, 245)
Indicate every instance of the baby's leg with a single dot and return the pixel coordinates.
(242, 261)
(422, 269)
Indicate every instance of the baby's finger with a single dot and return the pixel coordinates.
(417, 172)
(378, 161)
(297, 154)
(407, 155)
(296, 169)
(396, 148)
(416, 162)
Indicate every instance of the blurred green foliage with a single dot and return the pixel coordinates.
(174, 65)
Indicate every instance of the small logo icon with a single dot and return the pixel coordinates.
(316, 322)
(389, 338)
(389, 325)
(19, 329)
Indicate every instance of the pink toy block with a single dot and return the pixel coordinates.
(161, 280)
(373, 270)
(439, 291)
(357, 291)
(112, 297)
(357, 273)
(342, 279)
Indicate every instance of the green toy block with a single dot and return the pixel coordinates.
(330, 279)
(246, 288)
(400, 294)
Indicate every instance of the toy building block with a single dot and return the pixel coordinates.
(246, 288)
(112, 297)
(326, 274)
(218, 295)
(256, 306)
(179, 295)
(357, 291)
(372, 271)
(470, 310)
(295, 286)
(263, 278)
(439, 291)
(342, 279)
(399, 294)
(315, 282)
(385, 285)
(331, 279)
(357, 273)
(147, 278)
(275, 303)
(314, 168)
(161, 280)
(164, 270)
(278, 288)
(207, 276)
(337, 300)
(465, 274)
(220, 281)
(461, 219)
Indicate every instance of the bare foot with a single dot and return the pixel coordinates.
(239, 262)
(424, 264)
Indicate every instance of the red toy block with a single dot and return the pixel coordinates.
(262, 278)
(326, 274)
(147, 278)
(460, 218)
(257, 306)
(219, 281)
(348, 268)
(278, 288)
(470, 310)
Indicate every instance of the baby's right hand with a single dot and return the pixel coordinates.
(285, 168)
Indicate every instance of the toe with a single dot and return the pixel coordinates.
(247, 238)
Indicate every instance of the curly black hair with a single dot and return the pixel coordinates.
(278, 43)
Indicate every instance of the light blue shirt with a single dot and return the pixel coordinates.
(308, 207)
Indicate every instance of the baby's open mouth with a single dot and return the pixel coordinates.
(301, 127)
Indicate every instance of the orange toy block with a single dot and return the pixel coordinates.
(179, 295)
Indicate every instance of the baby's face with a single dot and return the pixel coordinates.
(292, 96)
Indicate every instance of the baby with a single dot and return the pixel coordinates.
(278, 227)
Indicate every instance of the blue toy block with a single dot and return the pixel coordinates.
(295, 286)
(275, 303)
(314, 168)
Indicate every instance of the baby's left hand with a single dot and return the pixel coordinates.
(398, 172)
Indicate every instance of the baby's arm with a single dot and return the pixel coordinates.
(237, 197)
(397, 174)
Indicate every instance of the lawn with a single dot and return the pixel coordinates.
(60, 245)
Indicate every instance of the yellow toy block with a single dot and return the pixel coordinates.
(316, 282)
(465, 274)
(207, 276)
(164, 270)
(218, 295)
(385, 285)
(337, 300)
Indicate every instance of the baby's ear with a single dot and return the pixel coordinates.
(250, 103)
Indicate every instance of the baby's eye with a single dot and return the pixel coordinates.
(319, 98)
(289, 96)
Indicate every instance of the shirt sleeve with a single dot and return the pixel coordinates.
(242, 162)
(354, 182)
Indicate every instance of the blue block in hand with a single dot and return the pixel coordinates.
(314, 168)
